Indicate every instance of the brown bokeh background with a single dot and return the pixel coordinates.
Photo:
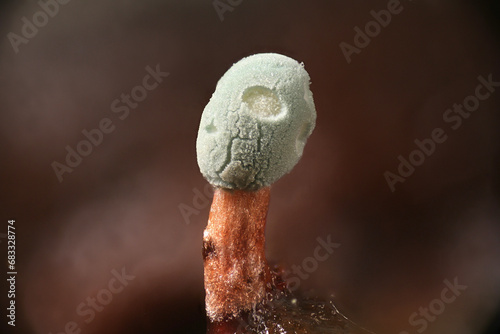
(120, 206)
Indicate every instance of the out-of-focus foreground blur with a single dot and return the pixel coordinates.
(110, 240)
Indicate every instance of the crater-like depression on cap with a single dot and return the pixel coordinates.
(262, 102)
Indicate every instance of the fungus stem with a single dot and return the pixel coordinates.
(237, 275)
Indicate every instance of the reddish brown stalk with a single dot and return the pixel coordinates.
(237, 275)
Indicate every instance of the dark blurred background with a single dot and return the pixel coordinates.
(121, 207)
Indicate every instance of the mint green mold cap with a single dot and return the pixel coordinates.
(256, 124)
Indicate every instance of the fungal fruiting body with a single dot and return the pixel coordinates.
(254, 128)
(252, 132)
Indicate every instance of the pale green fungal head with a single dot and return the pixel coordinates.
(255, 127)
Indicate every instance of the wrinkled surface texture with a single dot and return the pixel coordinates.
(121, 206)
(255, 127)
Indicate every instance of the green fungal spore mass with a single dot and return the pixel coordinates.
(256, 124)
